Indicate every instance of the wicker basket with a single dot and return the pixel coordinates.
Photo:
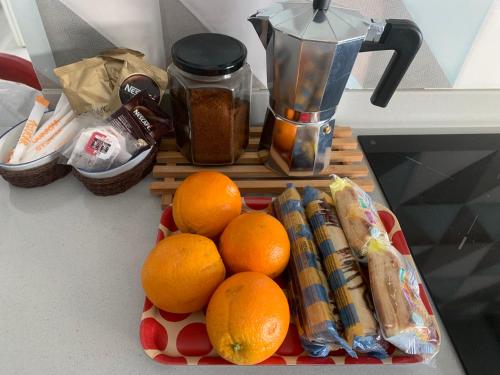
(35, 177)
(119, 183)
(39, 172)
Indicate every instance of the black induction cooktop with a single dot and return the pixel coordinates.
(445, 191)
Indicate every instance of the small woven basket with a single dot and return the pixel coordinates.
(121, 182)
(35, 177)
(39, 172)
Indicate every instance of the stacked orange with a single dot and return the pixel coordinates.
(257, 242)
(205, 203)
(247, 316)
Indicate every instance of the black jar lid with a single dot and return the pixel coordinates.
(209, 54)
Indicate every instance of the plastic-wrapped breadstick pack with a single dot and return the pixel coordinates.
(357, 214)
(344, 276)
(403, 319)
(313, 309)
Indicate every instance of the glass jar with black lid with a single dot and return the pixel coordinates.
(210, 86)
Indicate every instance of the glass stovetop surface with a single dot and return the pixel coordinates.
(445, 191)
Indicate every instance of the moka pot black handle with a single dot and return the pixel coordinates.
(405, 38)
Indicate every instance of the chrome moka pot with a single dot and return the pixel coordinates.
(311, 48)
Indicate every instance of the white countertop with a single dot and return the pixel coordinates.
(71, 299)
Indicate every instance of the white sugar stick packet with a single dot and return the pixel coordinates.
(51, 136)
(55, 121)
(59, 140)
(41, 105)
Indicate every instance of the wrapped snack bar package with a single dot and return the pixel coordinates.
(311, 291)
(357, 215)
(352, 297)
(312, 348)
(403, 318)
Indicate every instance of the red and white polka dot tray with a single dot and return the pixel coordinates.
(181, 339)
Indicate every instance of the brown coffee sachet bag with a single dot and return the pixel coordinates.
(143, 118)
(113, 61)
(86, 84)
(103, 83)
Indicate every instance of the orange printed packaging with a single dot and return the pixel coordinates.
(41, 105)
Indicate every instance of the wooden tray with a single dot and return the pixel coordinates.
(252, 177)
(182, 339)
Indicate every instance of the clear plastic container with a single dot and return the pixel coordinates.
(209, 87)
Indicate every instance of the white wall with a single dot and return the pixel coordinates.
(460, 48)
(132, 23)
(481, 67)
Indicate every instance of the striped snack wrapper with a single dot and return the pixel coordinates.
(351, 295)
(314, 310)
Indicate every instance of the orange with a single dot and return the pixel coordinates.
(205, 202)
(255, 242)
(247, 318)
(284, 135)
(181, 273)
